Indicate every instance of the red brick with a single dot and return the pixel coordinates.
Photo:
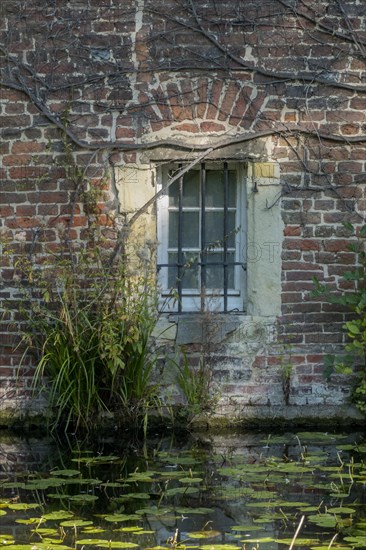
(336, 245)
(302, 244)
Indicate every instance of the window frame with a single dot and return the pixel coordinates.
(192, 300)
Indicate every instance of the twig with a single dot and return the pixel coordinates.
(297, 532)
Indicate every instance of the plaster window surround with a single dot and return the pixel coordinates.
(256, 292)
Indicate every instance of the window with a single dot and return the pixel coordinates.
(201, 229)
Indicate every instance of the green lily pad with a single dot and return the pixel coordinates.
(131, 529)
(189, 511)
(181, 491)
(218, 547)
(117, 518)
(45, 531)
(323, 520)
(57, 515)
(83, 498)
(76, 523)
(23, 506)
(29, 521)
(245, 528)
(204, 534)
(190, 479)
(341, 510)
(66, 473)
(117, 544)
(6, 539)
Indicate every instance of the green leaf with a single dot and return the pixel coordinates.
(363, 231)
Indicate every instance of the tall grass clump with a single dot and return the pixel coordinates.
(88, 324)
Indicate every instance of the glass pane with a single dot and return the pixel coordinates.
(215, 188)
(173, 192)
(215, 274)
(190, 229)
(215, 277)
(215, 229)
(189, 271)
(232, 229)
(191, 188)
(232, 189)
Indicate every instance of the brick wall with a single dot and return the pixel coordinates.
(124, 81)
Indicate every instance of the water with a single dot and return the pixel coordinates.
(210, 492)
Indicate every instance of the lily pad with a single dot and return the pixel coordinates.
(57, 515)
(204, 534)
(23, 506)
(66, 473)
(341, 510)
(83, 498)
(76, 523)
(117, 518)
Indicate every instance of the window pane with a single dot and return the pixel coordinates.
(215, 188)
(215, 274)
(215, 277)
(189, 271)
(191, 188)
(232, 189)
(215, 229)
(173, 192)
(215, 236)
(190, 229)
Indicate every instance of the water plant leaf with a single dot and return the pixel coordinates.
(66, 473)
(6, 539)
(218, 547)
(83, 498)
(143, 496)
(57, 515)
(199, 510)
(204, 534)
(323, 520)
(117, 518)
(341, 510)
(299, 541)
(117, 544)
(29, 521)
(76, 523)
(23, 506)
(260, 540)
(190, 479)
(2, 513)
(45, 531)
(246, 528)
(181, 491)
(40, 546)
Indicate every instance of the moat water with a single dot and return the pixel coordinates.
(234, 491)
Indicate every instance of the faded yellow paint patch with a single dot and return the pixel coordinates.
(263, 170)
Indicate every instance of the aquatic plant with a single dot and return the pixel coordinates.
(88, 324)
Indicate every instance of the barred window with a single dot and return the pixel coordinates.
(201, 228)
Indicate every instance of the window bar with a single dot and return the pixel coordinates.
(226, 192)
(203, 236)
(180, 242)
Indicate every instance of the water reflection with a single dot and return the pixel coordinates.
(201, 491)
